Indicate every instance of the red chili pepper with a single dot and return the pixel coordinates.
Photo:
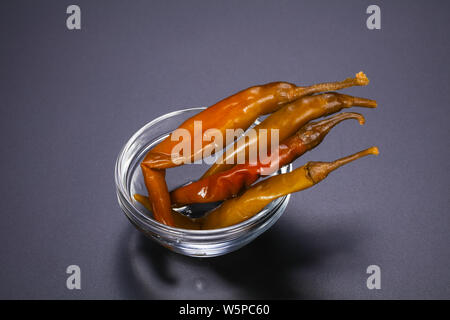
(254, 199)
(227, 184)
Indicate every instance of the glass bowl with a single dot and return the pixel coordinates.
(195, 243)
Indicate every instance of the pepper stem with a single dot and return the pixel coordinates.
(363, 102)
(313, 133)
(319, 170)
(360, 79)
(327, 124)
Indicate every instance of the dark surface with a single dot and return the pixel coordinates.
(70, 100)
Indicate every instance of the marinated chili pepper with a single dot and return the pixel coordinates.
(158, 192)
(289, 119)
(237, 111)
(254, 199)
(227, 184)
(179, 220)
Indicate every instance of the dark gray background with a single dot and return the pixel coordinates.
(70, 100)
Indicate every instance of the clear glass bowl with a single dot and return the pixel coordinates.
(196, 243)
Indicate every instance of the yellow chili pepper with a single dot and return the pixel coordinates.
(254, 199)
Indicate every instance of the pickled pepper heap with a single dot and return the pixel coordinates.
(292, 108)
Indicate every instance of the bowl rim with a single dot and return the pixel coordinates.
(156, 226)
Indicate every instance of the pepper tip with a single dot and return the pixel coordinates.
(362, 78)
(374, 151)
(361, 119)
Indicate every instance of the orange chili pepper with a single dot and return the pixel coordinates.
(288, 120)
(179, 220)
(158, 192)
(239, 111)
